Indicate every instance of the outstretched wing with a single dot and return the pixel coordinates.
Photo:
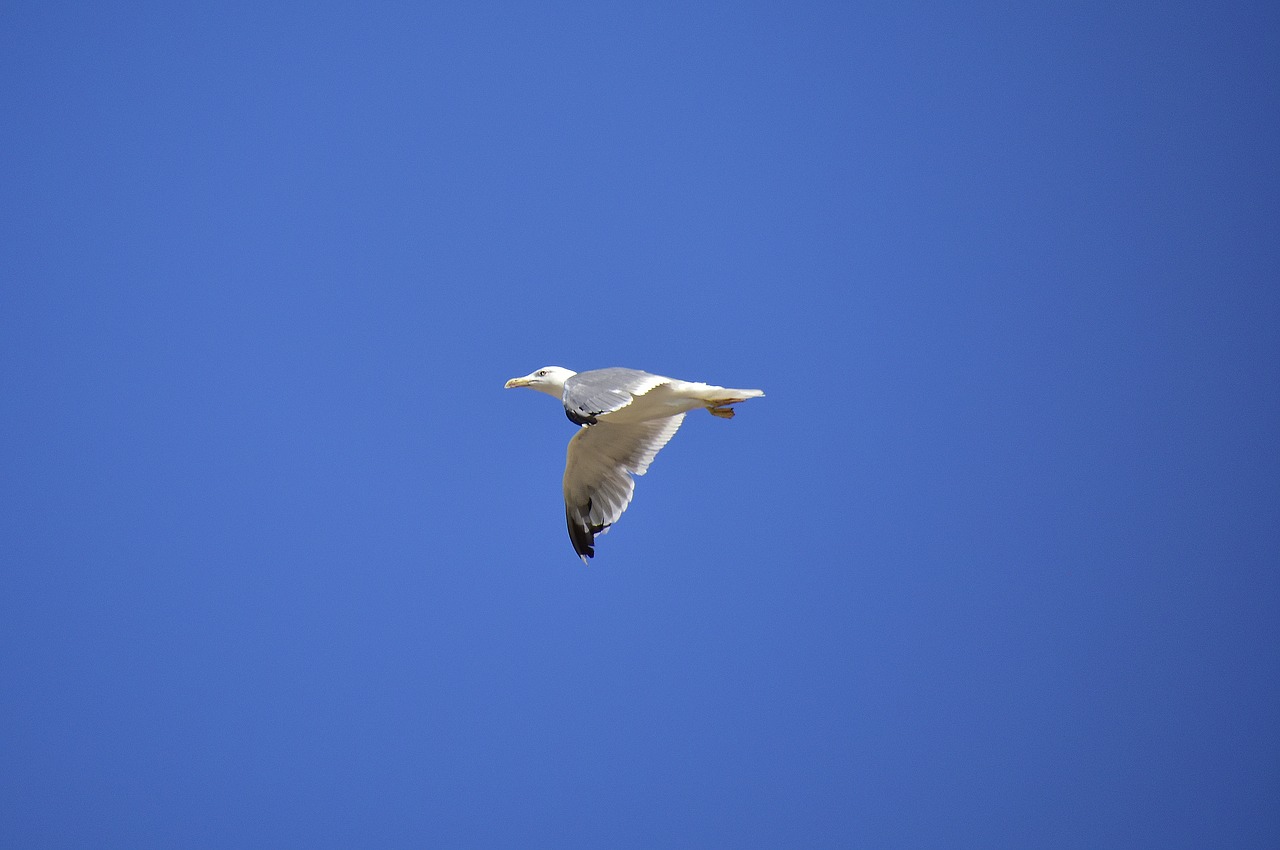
(597, 474)
(588, 394)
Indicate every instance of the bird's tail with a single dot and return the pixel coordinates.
(720, 399)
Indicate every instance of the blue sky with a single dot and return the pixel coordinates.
(994, 564)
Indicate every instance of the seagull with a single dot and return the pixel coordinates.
(625, 416)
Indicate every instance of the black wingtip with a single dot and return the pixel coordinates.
(581, 533)
(579, 418)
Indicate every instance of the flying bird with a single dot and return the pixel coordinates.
(625, 416)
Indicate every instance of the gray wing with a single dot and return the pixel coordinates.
(588, 394)
(597, 474)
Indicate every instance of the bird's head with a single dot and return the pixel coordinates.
(548, 379)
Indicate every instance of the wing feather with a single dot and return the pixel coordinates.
(589, 394)
(597, 475)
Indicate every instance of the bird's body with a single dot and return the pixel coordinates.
(627, 416)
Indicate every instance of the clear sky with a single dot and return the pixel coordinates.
(994, 563)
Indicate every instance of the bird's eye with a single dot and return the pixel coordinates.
(542, 373)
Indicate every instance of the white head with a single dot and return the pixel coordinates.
(548, 379)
